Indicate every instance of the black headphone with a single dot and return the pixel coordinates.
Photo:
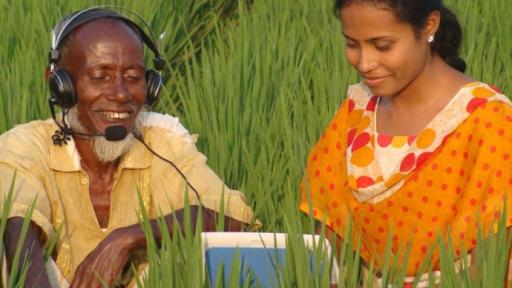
(62, 88)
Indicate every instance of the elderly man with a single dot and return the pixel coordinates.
(88, 187)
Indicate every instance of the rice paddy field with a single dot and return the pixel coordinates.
(257, 80)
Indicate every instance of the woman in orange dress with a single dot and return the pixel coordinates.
(418, 149)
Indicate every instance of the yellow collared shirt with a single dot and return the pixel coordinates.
(51, 175)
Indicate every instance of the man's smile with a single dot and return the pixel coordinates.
(114, 115)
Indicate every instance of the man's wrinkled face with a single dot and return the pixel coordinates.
(105, 59)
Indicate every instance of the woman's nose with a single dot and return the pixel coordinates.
(366, 61)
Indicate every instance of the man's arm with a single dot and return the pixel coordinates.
(113, 253)
(32, 250)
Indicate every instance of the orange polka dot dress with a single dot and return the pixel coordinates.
(453, 176)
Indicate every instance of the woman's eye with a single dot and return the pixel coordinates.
(383, 47)
(351, 44)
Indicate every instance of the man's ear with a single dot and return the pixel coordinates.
(47, 73)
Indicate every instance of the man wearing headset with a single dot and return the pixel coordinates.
(86, 186)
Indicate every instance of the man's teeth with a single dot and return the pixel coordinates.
(115, 115)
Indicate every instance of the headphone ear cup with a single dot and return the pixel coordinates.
(153, 84)
(62, 89)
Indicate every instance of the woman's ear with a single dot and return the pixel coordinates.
(432, 24)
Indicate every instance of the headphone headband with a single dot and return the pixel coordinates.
(72, 21)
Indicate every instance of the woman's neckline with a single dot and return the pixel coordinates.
(453, 98)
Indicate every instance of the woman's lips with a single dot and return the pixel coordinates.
(374, 81)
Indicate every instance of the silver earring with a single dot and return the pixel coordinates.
(430, 39)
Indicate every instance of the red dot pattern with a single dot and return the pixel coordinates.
(463, 178)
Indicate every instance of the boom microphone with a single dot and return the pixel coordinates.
(61, 136)
(115, 133)
(112, 133)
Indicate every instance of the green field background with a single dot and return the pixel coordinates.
(257, 80)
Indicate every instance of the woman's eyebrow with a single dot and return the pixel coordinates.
(384, 37)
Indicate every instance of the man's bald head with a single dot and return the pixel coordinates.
(110, 21)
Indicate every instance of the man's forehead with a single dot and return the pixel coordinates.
(103, 39)
(107, 27)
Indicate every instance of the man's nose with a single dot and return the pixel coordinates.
(120, 91)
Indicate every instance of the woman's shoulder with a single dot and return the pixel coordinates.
(487, 107)
(482, 89)
(480, 93)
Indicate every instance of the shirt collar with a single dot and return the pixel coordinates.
(138, 157)
(66, 158)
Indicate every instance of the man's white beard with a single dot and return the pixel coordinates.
(105, 151)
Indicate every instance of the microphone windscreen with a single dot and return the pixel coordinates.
(115, 133)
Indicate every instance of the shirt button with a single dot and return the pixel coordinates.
(84, 181)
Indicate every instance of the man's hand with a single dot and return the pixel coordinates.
(109, 259)
(106, 263)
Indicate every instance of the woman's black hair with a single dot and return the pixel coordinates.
(448, 38)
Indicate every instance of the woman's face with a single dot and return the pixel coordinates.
(387, 53)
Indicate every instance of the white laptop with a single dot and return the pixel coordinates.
(259, 253)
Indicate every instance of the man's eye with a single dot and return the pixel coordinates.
(133, 77)
(98, 76)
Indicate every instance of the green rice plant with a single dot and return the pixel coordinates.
(305, 266)
(266, 86)
(489, 263)
(258, 84)
(254, 97)
(178, 261)
(175, 262)
(18, 272)
(6, 208)
(487, 40)
(492, 253)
